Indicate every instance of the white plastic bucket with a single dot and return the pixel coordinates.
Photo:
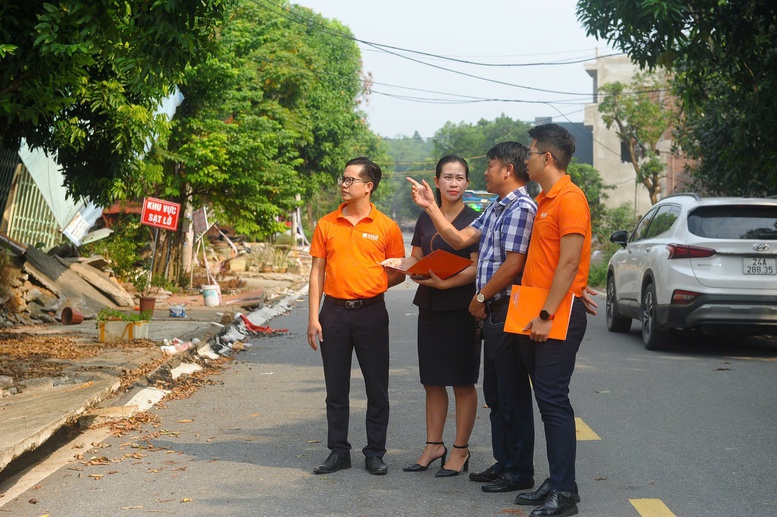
(211, 295)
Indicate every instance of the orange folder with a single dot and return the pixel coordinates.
(443, 263)
(526, 304)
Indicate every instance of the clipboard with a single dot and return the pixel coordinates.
(443, 263)
(526, 304)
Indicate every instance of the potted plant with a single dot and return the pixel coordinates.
(146, 303)
(281, 259)
(267, 256)
(116, 325)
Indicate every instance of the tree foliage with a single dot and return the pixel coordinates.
(81, 79)
(589, 180)
(642, 116)
(724, 60)
(272, 115)
(410, 156)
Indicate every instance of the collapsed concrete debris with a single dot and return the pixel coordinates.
(43, 285)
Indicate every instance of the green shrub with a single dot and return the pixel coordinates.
(614, 219)
(122, 248)
(109, 314)
(597, 276)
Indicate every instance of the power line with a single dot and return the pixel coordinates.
(296, 18)
(313, 24)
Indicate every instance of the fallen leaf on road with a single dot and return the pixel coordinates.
(186, 421)
(131, 507)
(186, 500)
(97, 476)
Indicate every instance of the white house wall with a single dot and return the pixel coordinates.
(607, 145)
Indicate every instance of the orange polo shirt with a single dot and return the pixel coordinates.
(353, 253)
(562, 211)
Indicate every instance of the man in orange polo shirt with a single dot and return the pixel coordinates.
(348, 246)
(558, 260)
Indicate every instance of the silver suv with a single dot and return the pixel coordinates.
(700, 264)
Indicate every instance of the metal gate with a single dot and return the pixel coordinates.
(26, 216)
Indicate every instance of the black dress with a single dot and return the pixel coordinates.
(448, 349)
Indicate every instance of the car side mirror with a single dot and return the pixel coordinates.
(620, 237)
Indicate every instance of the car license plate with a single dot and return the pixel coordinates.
(759, 266)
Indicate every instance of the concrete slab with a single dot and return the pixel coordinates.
(29, 419)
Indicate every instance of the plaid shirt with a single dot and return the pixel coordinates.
(504, 226)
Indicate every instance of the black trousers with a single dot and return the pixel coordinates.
(550, 366)
(364, 330)
(507, 393)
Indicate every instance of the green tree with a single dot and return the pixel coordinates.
(81, 79)
(724, 59)
(589, 180)
(641, 116)
(264, 120)
(410, 156)
(335, 128)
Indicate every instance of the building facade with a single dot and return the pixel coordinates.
(611, 156)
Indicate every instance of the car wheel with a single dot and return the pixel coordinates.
(615, 322)
(652, 337)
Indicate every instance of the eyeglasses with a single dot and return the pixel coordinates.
(347, 181)
(540, 152)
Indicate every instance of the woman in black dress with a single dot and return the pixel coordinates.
(448, 345)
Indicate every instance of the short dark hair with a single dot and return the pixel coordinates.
(557, 140)
(370, 171)
(512, 152)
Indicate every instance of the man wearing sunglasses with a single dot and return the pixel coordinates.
(348, 247)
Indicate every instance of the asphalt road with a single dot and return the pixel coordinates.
(690, 431)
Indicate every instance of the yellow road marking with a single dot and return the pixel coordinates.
(584, 432)
(651, 508)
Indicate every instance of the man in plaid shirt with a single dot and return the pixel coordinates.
(503, 232)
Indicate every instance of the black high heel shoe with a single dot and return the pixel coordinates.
(446, 473)
(416, 467)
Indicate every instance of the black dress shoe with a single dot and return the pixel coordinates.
(557, 504)
(538, 497)
(505, 483)
(375, 466)
(332, 464)
(484, 477)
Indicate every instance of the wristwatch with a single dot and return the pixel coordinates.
(480, 297)
(545, 315)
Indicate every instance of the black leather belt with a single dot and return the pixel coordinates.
(354, 304)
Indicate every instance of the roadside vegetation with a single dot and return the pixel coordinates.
(273, 98)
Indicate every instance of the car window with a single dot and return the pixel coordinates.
(478, 200)
(639, 231)
(734, 222)
(663, 220)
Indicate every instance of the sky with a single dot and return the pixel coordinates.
(415, 92)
